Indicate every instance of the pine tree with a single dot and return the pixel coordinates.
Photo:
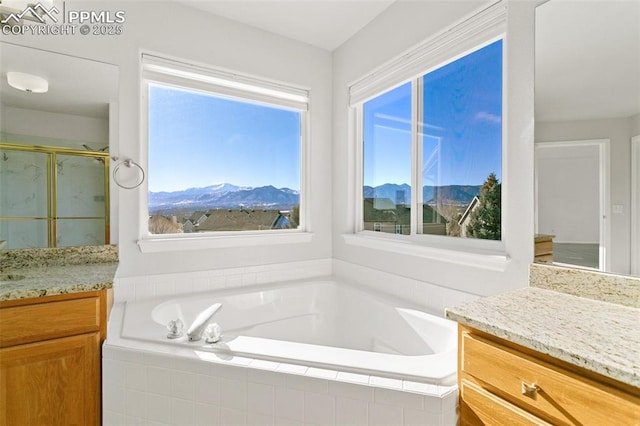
(485, 220)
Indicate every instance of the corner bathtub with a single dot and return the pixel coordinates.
(322, 324)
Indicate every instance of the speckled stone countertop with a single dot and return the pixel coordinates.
(48, 272)
(620, 289)
(599, 336)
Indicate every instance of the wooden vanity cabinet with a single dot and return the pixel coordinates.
(50, 359)
(502, 383)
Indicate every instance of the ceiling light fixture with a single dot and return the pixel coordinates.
(27, 82)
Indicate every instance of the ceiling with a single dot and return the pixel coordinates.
(321, 23)
(587, 60)
(76, 86)
(587, 54)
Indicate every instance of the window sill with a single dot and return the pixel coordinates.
(496, 260)
(156, 244)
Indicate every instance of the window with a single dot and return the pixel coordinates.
(387, 162)
(432, 151)
(224, 151)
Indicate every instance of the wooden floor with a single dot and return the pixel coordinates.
(576, 254)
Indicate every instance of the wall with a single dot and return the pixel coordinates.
(173, 30)
(70, 131)
(635, 125)
(619, 131)
(400, 27)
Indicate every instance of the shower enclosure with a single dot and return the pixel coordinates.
(53, 196)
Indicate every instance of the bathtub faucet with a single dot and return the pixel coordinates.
(201, 322)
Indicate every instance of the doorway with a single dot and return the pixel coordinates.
(635, 205)
(571, 200)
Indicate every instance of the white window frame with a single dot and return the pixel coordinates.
(481, 29)
(217, 82)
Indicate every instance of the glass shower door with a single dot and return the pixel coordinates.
(24, 205)
(81, 206)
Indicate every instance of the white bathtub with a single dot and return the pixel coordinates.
(323, 324)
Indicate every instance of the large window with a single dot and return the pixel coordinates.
(224, 152)
(432, 151)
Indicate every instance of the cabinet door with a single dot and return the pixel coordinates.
(55, 382)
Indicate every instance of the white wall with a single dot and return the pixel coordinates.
(70, 130)
(401, 26)
(171, 29)
(619, 131)
(635, 125)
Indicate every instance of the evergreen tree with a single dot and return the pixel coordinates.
(485, 220)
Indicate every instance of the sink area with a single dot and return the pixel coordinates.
(41, 272)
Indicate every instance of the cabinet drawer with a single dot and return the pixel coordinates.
(561, 394)
(480, 407)
(43, 321)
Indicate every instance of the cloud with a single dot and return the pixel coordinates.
(488, 117)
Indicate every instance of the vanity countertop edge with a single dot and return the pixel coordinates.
(599, 336)
(50, 281)
(49, 272)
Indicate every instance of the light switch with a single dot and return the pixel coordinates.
(618, 208)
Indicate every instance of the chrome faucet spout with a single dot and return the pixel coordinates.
(202, 320)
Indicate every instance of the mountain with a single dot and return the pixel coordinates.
(458, 194)
(228, 196)
(265, 196)
(223, 195)
(388, 190)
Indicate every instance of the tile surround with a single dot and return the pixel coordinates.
(245, 391)
(149, 286)
(432, 298)
(169, 391)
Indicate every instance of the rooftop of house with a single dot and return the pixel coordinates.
(246, 220)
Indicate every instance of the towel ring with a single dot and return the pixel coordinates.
(127, 163)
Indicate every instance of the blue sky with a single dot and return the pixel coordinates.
(197, 140)
(461, 125)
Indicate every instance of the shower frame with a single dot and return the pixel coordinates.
(52, 187)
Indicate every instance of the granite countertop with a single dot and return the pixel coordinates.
(600, 336)
(48, 272)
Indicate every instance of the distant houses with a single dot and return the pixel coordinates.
(383, 215)
(243, 219)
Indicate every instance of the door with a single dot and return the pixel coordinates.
(571, 200)
(635, 205)
(55, 382)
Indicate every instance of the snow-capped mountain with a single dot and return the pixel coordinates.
(224, 195)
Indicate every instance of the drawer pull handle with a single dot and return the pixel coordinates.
(530, 390)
